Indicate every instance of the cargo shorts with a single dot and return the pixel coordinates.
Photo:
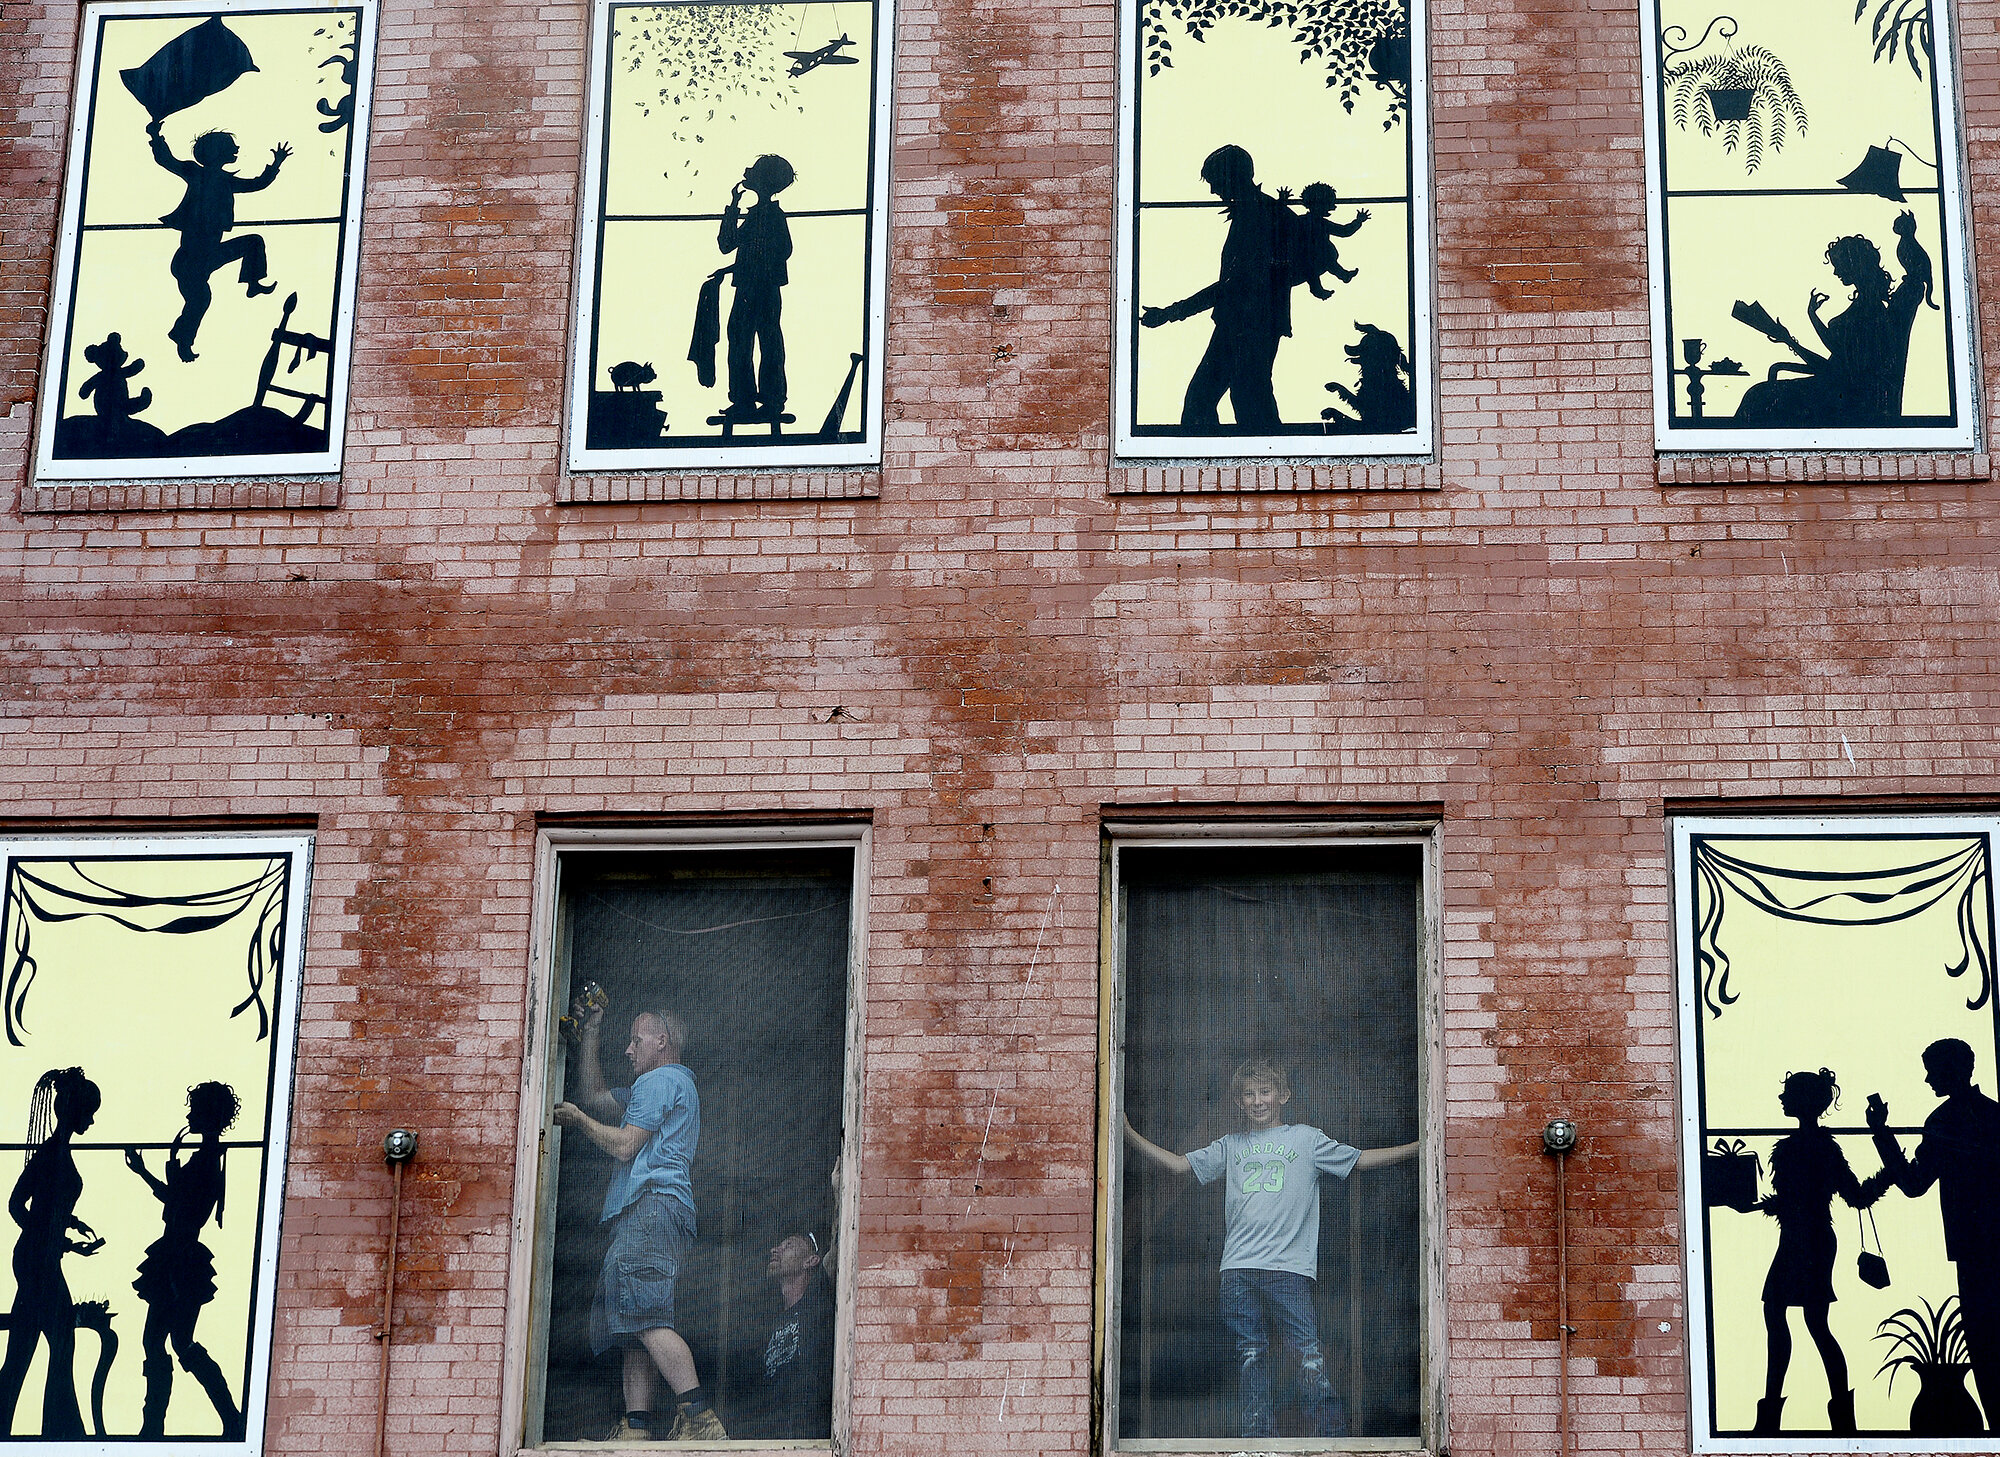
(636, 1291)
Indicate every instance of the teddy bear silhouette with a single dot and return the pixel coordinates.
(114, 397)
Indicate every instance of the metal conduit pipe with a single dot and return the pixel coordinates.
(399, 1147)
(1558, 1139)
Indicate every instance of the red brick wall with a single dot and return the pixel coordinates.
(1548, 651)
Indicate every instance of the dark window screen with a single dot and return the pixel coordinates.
(751, 950)
(1309, 958)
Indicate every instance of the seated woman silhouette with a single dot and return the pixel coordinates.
(64, 1104)
(177, 1277)
(1858, 382)
(1807, 1170)
(206, 212)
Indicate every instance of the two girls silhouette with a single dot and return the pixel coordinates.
(175, 1280)
(1807, 1170)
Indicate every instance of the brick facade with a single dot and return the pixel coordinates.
(1545, 642)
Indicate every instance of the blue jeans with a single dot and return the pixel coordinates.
(1253, 1303)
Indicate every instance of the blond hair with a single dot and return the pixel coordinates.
(1259, 1069)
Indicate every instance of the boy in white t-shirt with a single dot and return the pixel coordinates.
(1270, 1246)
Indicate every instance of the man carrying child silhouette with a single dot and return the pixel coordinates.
(1270, 1249)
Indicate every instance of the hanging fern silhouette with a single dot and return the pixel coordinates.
(1361, 41)
(1900, 25)
(1775, 107)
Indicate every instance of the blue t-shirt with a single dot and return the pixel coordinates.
(1270, 1212)
(665, 1104)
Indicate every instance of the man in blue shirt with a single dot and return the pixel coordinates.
(651, 1129)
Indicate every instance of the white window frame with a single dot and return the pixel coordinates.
(1128, 445)
(68, 248)
(1119, 837)
(1956, 264)
(1681, 831)
(678, 460)
(284, 1055)
(524, 1362)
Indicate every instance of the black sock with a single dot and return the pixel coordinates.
(694, 1399)
(643, 1420)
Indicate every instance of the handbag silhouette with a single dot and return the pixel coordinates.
(1870, 1265)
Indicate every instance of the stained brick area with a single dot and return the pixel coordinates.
(1545, 643)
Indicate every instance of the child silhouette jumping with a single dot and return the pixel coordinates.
(206, 212)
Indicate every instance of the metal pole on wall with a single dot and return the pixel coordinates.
(398, 1148)
(1558, 1139)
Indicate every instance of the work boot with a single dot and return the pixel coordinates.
(626, 1432)
(701, 1426)
(1840, 1412)
(1769, 1410)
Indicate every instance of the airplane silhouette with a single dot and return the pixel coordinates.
(826, 55)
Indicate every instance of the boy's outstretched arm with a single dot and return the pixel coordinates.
(1374, 1158)
(1173, 1163)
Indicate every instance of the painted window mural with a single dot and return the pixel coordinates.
(1274, 242)
(731, 277)
(205, 278)
(1829, 141)
(1841, 1144)
(145, 1089)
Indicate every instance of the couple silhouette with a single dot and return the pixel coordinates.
(1959, 1155)
(176, 1278)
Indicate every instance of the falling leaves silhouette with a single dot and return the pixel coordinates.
(685, 57)
(343, 56)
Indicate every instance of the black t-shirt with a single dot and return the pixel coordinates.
(795, 1392)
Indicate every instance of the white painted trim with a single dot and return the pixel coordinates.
(49, 470)
(677, 460)
(298, 847)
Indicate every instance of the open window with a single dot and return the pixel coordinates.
(1277, 1291)
(725, 1227)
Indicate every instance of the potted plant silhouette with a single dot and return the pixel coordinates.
(1745, 92)
(1931, 1342)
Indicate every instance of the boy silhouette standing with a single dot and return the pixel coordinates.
(761, 239)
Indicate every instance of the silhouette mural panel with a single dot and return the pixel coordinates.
(206, 270)
(731, 273)
(1832, 140)
(1274, 245)
(1840, 1141)
(145, 1079)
